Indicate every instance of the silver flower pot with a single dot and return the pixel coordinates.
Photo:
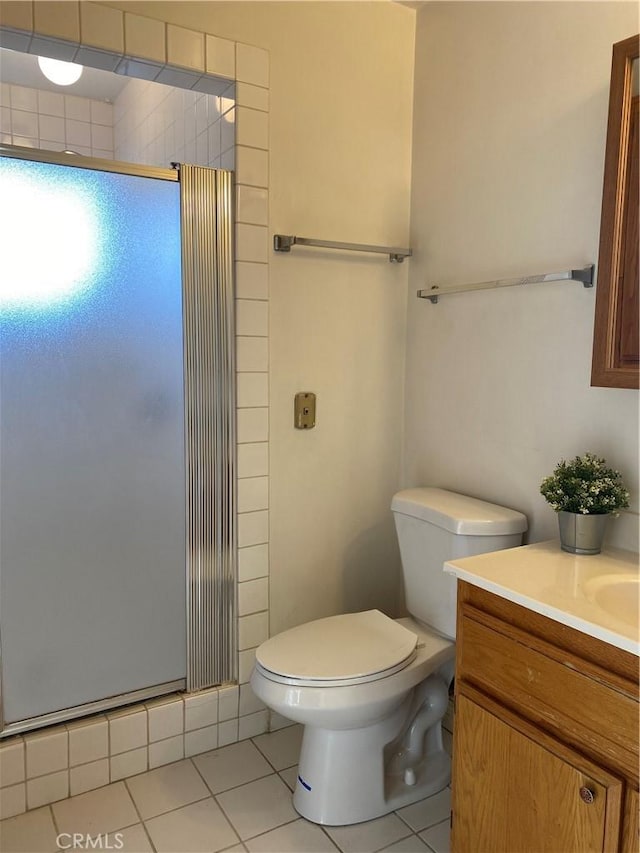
(582, 534)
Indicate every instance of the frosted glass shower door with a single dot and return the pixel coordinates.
(92, 480)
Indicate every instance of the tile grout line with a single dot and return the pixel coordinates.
(137, 811)
(259, 778)
(215, 799)
(54, 822)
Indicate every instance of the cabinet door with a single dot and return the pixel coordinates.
(631, 833)
(516, 790)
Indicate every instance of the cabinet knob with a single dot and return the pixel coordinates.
(587, 795)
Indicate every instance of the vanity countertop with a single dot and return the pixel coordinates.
(595, 594)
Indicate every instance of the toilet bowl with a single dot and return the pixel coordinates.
(355, 715)
(371, 691)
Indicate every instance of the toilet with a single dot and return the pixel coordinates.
(371, 691)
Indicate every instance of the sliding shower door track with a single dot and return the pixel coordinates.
(56, 717)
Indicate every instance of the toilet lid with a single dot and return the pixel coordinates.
(338, 648)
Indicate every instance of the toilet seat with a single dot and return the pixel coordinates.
(354, 648)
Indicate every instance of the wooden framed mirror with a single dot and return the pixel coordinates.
(616, 357)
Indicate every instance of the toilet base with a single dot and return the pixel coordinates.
(342, 779)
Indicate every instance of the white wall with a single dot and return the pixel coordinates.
(340, 140)
(510, 118)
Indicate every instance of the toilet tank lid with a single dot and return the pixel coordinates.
(458, 514)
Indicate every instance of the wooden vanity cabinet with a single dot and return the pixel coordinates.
(545, 754)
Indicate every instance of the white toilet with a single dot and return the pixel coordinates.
(371, 691)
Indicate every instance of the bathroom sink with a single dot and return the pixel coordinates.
(617, 595)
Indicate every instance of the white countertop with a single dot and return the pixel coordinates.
(595, 594)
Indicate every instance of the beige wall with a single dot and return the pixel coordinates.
(340, 139)
(509, 132)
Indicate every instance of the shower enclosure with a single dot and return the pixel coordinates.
(117, 532)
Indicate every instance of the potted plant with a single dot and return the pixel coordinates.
(585, 494)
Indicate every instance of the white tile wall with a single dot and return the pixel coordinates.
(88, 740)
(128, 763)
(252, 390)
(253, 596)
(47, 752)
(252, 166)
(252, 96)
(253, 425)
(253, 461)
(166, 719)
(86, 777)
(252, 65)
(228, 703)
(252, 315)
(252, 630)
(252, 205)
(49, 765)
(166, 751)
(12, 769)
(200, 710)
(220, 57)
(156, 125)
(252, 354)
(57, 19)
(200, 741)
(252, 279)
(127, 729)
(102, 27)
(185, 48)
(246, 662)
(228, 732)
(253, 562)
(253, 528)
(13, 800)
(253, 494)
(55, 122)
(47, 789)
(145, 38)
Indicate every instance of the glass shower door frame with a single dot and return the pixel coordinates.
(209, 413)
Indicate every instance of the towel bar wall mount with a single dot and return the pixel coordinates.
(284, 242)
(585, 275)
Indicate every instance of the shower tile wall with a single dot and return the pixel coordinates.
(157, 125)
(163, 730)
(34, 118)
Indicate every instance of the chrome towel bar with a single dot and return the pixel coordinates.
(585, 275)
(284, 242)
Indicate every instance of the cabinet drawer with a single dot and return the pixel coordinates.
(588, 714)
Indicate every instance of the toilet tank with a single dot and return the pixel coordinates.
(433, 526)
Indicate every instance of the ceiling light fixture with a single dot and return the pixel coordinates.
(59, 72)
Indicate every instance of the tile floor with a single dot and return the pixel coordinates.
(236, 798)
